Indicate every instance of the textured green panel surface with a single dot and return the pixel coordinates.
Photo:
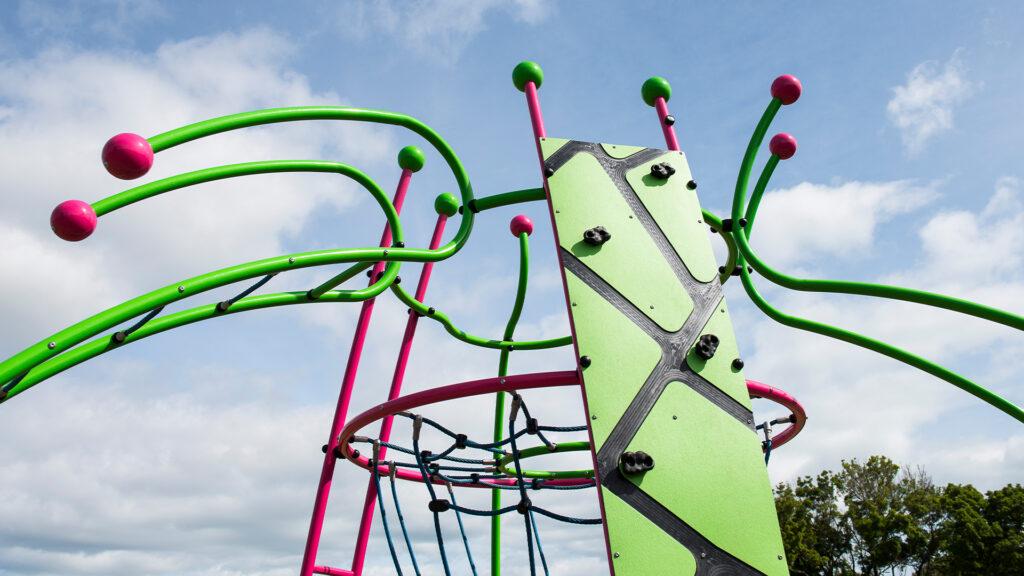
(623, 355)
(699, 458)
(676, 210)
(549, 146)
(619, 151)
(718, 370)
(643, 549)
(630, 261)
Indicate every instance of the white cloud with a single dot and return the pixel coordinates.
(438, 30)
(111, 18)
(923, 107)
(838, 220)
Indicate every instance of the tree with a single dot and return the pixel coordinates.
(814, 532)
(965, 531)
(923, 536)
(1004, 512)
(874, 499)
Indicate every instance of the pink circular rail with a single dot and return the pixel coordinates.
(451, 392)
(783, 398)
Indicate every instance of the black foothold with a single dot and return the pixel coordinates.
(662, 171)
(635, 462)
(691, 185)
(706, 346)
(670, 120)
(439, 505)
(584, 361)
(597, 236)
(727, 225)
(549, 171)
(737, 364)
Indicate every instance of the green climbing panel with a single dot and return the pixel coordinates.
(639, 303)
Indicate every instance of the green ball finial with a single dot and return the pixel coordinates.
(655, 87)
(446, 204)
(411, 158)
(527, 72)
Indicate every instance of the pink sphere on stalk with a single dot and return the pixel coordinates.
(782, 145)
(73, 220)
(521, 224)
(127, 156)
(786, 88)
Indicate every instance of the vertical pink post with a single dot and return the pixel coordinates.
(528, 77)
(446, 206)
(410, 159)
(656, 92)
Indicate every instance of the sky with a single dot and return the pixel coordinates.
(197, 451)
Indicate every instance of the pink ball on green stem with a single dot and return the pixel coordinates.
(521, 224)
(73, 220)
(782, 145)
(127, 156)
(786, 88)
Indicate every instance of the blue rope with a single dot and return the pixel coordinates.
(430, 489)
(401, 521)
(536, 535)
(465, 541)
(522, 489)
(384, 518)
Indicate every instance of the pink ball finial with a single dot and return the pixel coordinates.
(782, 145)
(786, 88)
(521, 224)
(73, 220)
(127, 156)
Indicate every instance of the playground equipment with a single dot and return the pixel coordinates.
(676, 455)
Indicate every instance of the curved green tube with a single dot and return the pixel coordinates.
(858, 288)
(730, 263)
(424, 310)
(882, 348)
(276, 115)
(548, 475)
(499, 398)
(21, 363)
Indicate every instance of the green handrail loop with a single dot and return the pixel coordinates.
(502, 464)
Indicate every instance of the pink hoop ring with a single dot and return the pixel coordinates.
(451, 392)
(785, 399)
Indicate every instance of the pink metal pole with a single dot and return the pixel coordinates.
(666, 127)
(396, 388)
(535, 118)
(323, 489)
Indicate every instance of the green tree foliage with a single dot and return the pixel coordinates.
(874, 518)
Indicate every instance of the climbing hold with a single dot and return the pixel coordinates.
(597, 236)
(706, 346)
(782, 145)
(638, 462)
(670, 120)
(521, 224)
(73, 220)
(662, 171)
(127, 156)
(786, 88)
